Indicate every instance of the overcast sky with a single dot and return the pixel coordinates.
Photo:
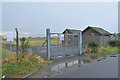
(36, 17)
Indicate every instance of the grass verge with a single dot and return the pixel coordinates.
(13, 67)
(6, 53)
(102, 52)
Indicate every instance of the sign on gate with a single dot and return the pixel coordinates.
(55, 35)
(10, 36)
(62, 37)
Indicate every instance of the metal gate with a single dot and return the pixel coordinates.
(70, 46)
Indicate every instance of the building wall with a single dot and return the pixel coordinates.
(72, 40)
(87, 36)
(105, 40)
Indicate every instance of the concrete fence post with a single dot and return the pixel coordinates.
(48, 43)
(80, 43)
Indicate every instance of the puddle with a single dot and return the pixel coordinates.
(59, 66)
(69, 64)
(113, 56)
(76, 62)
(62, 65)
(104, 58)
(60, 56)
(69, 55)
(66, 65)
(99, 59)
(54, 68)
(57, 57)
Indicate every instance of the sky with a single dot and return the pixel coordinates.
(33, 18)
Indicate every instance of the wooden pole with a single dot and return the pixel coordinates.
(17, 42)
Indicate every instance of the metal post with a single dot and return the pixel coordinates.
(80, 43)
(48, 43)
(10, 48)
(66, 41)
(58, 45)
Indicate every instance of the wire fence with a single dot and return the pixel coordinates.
(68, 46)
(37, 44)
(63, 48)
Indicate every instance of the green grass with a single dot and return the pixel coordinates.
(13, 68)
(35, 41)
(111, 50)
(16, 70)
(6, 53)
(0, 62)
(103, 52)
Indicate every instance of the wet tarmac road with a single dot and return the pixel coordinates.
(107, 68)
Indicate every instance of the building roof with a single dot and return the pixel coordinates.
(72, 31)
(98, 29)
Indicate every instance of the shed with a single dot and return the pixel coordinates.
(100, 35)
(72, 36)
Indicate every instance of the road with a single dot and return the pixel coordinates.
(107, 68)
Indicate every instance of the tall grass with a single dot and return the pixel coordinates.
(13, 67)
(102, 51)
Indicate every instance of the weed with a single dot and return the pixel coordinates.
(94, 56)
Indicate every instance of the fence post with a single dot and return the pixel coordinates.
(48, 42)
(66, 41)
(17, 42)
(80, 43)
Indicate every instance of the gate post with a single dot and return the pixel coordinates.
(80, 43)
(66, 41)
(48, 43)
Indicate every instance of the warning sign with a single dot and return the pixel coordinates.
(10, 36)
(55, 35)
(62, 37)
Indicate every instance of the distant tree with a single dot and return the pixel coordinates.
(29, 37)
